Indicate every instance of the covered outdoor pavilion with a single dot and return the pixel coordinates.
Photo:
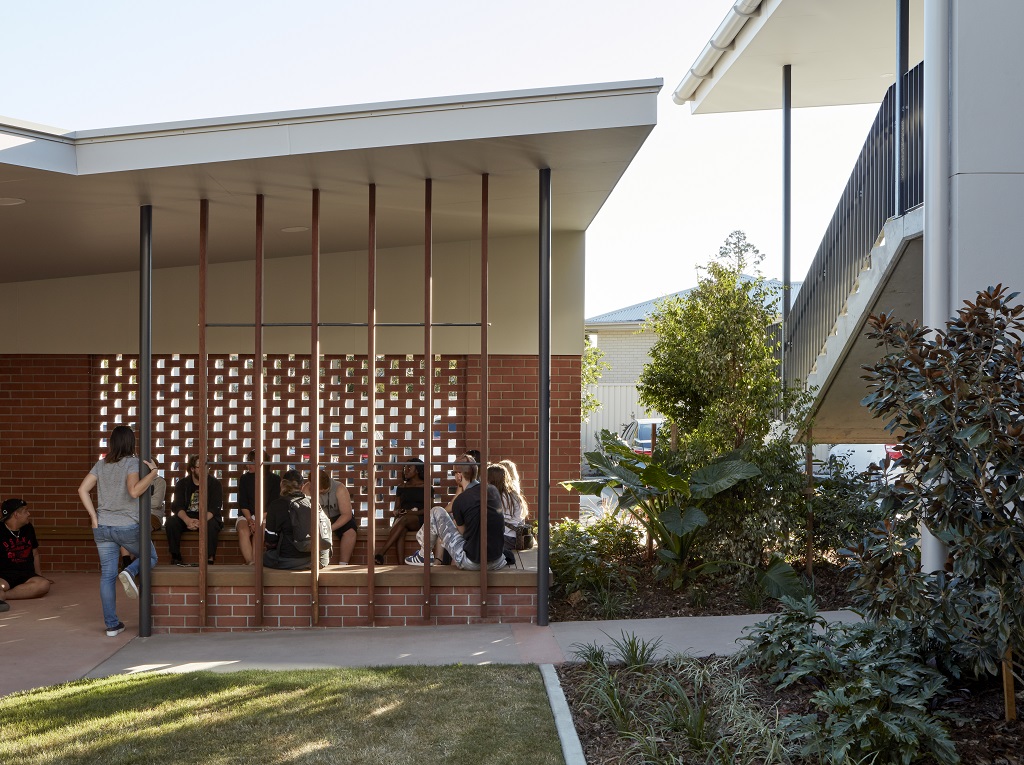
(157, 275)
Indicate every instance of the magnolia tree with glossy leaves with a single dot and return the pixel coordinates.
(955, 398)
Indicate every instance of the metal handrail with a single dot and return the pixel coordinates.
(868, 201)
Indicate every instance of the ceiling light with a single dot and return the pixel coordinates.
(294, 229)
(10, 201)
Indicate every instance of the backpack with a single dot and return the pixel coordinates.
(299, 515)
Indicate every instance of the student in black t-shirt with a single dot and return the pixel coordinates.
(21, 574)
(408, 510)
(459, 533)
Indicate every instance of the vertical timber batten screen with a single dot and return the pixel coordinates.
(371, 385)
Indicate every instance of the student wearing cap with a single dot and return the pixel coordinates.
(20, 571)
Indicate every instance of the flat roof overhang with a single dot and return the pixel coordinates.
(83, 190)
(841, 52)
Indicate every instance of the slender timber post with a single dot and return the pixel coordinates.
(145, 373)
(544, 406)
(371, 392)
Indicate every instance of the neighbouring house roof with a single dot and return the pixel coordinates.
(637, 314)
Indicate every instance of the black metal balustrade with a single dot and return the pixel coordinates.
(867, 202)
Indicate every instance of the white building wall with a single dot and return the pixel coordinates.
(625, 351)
(987, 154)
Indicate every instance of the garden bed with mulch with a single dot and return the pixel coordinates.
(983, 738)
(712, 596)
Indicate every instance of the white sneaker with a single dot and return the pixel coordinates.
(416, 559)
(130, 588)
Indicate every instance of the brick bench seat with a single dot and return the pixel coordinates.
(343, 598)
(339, 576)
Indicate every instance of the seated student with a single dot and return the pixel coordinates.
(285, 555)
(513, 507)
(185, 512)
(246, 523)
(408, 510)
(21, 575)
(459, 533)
(337, 503)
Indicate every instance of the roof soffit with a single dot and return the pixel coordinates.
(841, 52)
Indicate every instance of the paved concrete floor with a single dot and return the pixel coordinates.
(60, 638)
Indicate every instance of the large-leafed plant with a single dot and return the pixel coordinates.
(668, 506)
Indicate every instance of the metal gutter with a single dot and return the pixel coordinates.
(720, 42)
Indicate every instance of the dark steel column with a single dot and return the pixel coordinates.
(899, 112)
(371, 395)
(484, 425)
(787, 205)
(314, 403)
(544, 407)
(428, 385)
(204, 537)
(145, 404)
(257, 407)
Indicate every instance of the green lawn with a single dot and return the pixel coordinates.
(383, 716)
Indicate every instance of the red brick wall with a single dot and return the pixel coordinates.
(231, 608)
(50, 426)
(46, 446)
(514, 390)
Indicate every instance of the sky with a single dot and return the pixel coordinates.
(112, 63)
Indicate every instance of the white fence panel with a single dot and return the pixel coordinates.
(619, 405)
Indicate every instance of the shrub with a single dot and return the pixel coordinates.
(875, 698)
(668, 505)
(598, 559)
(957, 398)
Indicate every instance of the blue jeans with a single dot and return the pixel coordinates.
(109, 541)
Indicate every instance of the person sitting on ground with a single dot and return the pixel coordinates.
(246, 523)
(286, 555)
(459, 534)
(21, 575)
(185, 512)
(336, 502)
(512, 507)
(408, 510)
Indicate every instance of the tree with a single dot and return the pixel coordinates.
(593, 366)
(713, 369)
(956, 396)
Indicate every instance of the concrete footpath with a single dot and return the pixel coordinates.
(60, 638)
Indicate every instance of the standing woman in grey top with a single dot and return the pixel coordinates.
(115, 518)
